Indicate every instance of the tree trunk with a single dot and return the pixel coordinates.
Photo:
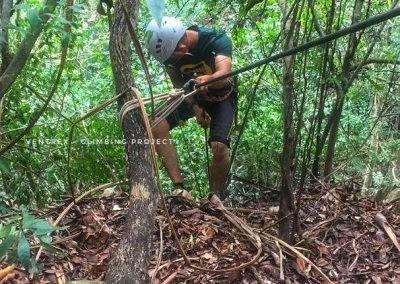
(21, 56)
(368, 178)
(5, 21)
(130, 260)
(334, 130)
(323, 89)
(341, 90)
(286, 206)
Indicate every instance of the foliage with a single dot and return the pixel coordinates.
(18, 231)
(34, 171)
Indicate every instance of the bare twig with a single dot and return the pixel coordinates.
(281, 274)
(385, 226)
(269, 237)
(256, 275)
(153, 277)
(59, 218)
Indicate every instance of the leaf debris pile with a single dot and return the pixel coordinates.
(350, 241)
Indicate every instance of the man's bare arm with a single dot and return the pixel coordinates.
(223, 65)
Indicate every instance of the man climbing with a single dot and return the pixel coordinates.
(200, 54)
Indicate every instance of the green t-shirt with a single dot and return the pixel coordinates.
(201, 59)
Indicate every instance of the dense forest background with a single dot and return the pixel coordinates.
(346, 103)
(326, 115)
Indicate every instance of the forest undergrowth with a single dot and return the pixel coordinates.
(339, 237)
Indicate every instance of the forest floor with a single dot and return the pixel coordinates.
(340, 238)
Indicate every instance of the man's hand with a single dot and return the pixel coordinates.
(223, 65)
(201, 79)
(202, 117)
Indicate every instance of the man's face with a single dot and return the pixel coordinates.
(181, 48)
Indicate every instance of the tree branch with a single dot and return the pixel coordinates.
(369, 51)
(375, 61)
(19, 60)
(317, 26)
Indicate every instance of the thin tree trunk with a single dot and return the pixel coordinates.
(341, 90)
(5, 21)
(130, 260)
(286, 206)
(21, 56)
(321, 95)
(333, 134)
(376, 107)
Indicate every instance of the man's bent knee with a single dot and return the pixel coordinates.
(161, 129)
(219, 149)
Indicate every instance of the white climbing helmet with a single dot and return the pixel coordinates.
(161, 41)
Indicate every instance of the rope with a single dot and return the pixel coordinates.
(172, 104)
(343, 32)
(173, 100)
(134, 103)
(254, 238)
(246, 116)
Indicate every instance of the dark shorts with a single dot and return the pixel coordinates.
(221, 113)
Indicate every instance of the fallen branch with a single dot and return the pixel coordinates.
(385, 226)
(268, 237)
(281, 274)
(153, 277)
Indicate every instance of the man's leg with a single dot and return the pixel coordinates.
(222, 115)
(167, 151)
(219, 168)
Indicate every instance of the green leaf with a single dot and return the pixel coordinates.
(43, 227)
(12, 256)
(6, 244)
(28, 221)
(24, 253)
(46, 239)
(63, 20)
(22, 7)
(78, 8)
(5, 166)
(39, 226)
(4, 209)
(47, 246)
(33, 17)
(35, 266)
(5, 230)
